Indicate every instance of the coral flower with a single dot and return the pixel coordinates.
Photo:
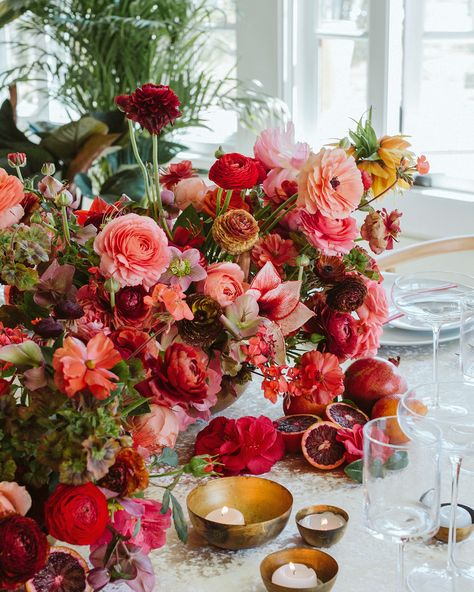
(11, 194)
(329, 182)
(422, 165)
(173, 299)
(275, 249)
(321, 377)
(79, 367)
(176, 172)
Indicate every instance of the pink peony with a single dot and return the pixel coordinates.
(14, 499)
(133, 250)
(276, 148)
(190, 191)
(11, 194)
(333, 236)
(223, 282)
(155, 430)
(330, 183)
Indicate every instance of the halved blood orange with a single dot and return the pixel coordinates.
(345, 416)
(320, 447)
(65, 571)
(292, 428)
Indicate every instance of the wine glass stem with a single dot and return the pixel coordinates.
(436, 331)
(456, 462)
(401, 566)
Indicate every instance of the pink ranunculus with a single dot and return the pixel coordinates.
(369, 339)
(375, 308)
(155, 430)
(190, 191)
(133, 250)
(274, 182)
(223, 282)
(329, 182)
(153, 524)
(14, 499)
(353, 441)
(11, 194)
(276, 148)
(333, 236)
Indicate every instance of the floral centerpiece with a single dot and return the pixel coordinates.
(123, 323)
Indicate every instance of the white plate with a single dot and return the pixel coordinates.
(396, 336)
(407, 323)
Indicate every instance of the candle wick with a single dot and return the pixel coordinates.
(292, 567)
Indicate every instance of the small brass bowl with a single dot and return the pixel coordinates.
(321, 538)
(461, 533)
(266, 507)
(324, 565)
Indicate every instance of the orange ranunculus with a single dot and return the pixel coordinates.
(209, 205)
(79, 367)
(11, 194)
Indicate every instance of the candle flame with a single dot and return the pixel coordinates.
(292, 567)
(324, 522)
(224, 511)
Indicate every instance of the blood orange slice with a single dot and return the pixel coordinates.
(345, 416)
(65, 571)
(320, 447)
(292, 428)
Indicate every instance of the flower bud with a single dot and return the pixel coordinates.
(219, 152)
(63, 199)
(111, 285)
(303, 260)
(66, 309)
(48, 168)
(36, 218)
(200, 466)
(16, 159)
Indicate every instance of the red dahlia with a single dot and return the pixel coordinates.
(153, 106)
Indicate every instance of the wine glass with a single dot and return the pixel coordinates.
(449, 407)
(467, 336)
(432, 298)
(398, 473)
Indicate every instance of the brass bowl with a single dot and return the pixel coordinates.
(461, 533)
(324, 565)
(321, 538)
(266, 507)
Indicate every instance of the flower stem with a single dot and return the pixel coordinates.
(379, 195)
(140, 162)
(18, 172)
(156, 173)
(286, 204)
(67, 234)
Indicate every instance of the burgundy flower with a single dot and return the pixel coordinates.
(341, 332)
(153, 106)
(176, 172)
(330, 269)
(131, 308)
(348, 295)
(234, 171)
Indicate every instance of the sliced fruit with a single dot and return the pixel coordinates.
(302, 405)
(65, 571)
(292, 428)
(320, 447)
(345, 416)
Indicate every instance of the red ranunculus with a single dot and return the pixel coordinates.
(23, 550)
(341, 333)
(353, 441)
(130, 342)
(221, 438)
(261, 444)
(131, 308)
(76, 514)
(246, 445)
(152, 106)
(262, 171)
(185, 238)
(234, 171)
(178, 378)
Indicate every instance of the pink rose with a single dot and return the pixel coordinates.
(190, 192)
(11, 194)
(155, 430)
(13, 499)
(223, 282)
(133, 250)
(331, 236)
(375, 308)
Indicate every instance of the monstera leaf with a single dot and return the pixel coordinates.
(65, 141)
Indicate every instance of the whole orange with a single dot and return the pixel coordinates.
(388, 406)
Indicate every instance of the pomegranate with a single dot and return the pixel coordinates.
(302, 405)
(292, 428)
(320, 447)
(369, 379)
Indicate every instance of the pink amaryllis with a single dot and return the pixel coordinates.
(329, 182)
(279, 301)
(184, 268)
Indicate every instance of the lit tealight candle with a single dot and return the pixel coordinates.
(295, 575)
(323, 521)
(463, 518)
(226, 515)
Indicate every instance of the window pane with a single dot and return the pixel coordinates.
(222, 12)
(448, 15)
(343, 16)
(342, 85)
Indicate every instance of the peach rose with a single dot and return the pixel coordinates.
(223, 282)
(330, 183)
(190, 192)
(13, 499)
(11, 194)
(155, 430)
(133, 250)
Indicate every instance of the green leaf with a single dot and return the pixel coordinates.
(354, 470)
(168, 457)
(84, 183)
(398, 461)
(66, 140)
(139, 407)
(179, 520)
(11, 316)
(189, 219)
(376, 468)
(129, 182)
(165, 502)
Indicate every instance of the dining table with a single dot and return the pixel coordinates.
(366, 564)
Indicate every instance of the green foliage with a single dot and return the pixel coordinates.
(365, 139)
(354, 470)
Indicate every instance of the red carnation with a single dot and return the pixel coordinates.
(176, 172)
(234, 171)
(152, 106)
(76, 515)
(23, 550)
